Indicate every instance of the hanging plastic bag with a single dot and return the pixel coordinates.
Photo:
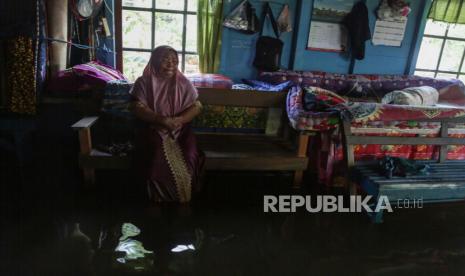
(284, 20)
(243, 19)
(393, 10)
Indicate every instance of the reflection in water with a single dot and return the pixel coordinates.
(129, 230)
(77, 252)
(182, 247)
(134, 249)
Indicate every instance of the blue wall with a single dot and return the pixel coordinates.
(238, 49)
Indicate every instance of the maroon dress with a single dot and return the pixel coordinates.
(169, 162)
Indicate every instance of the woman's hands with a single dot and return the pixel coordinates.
(190, 113)
(171, 123)
(156, 121)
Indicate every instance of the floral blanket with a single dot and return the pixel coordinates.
(362, 112)
(368, 118)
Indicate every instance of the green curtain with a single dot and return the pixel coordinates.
(209, 27)
(450, 11)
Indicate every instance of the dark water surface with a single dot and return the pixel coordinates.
(224, 232)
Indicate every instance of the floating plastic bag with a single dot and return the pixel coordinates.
(284, 20)
(243, 19)
(134, 249)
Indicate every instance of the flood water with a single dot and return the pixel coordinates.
(51, 225)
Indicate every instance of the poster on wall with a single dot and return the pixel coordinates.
(326, 31)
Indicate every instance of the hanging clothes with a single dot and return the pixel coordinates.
(22, 24)
(21, 75)
(358, 28)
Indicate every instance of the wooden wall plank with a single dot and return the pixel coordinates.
(246, 98)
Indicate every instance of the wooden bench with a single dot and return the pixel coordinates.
(278, 149)
(446, 182)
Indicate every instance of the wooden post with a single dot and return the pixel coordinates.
(348, 155)
(57, 19)
(443, 149)
(301, 152)
(273, 121)
(85, 143)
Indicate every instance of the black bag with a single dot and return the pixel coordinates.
(268, 49)
(243, 19)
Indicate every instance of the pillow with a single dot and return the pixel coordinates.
(423, 95)
(242, 86)
(210, 80)
(264, 86)
(319, 99)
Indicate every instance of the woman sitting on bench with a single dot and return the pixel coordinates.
(166, 154)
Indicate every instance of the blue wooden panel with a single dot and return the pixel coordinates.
(389, 60)
(445, 183)
(433, 193)
(315, 60)
(391, 65)
(238, 49)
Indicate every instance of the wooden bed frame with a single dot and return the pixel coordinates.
(446, 182)
(278, 149)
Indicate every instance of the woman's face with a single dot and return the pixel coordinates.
(169, 65)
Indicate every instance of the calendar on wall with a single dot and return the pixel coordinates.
(389, 33)
(327, 33)
(392, 18)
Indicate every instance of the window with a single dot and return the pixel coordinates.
(147, 24)
(442, 51)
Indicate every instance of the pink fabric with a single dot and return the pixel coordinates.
(166, 97)
(84, 77)
(97, 72)
(452, 94)
(66, 82)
